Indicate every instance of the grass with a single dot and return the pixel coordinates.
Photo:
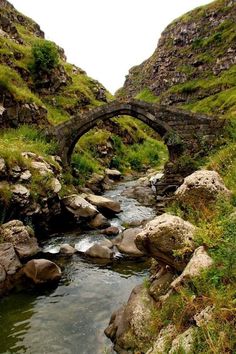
(147, 96)
(11, 81)
(15, 141)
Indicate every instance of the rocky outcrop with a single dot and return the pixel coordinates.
(165, 235)
(21, 237)
(201, 188)
(179, 60)
(14, 113)
(41, 271)
(9, 259)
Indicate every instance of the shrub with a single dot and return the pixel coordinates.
(45, 56)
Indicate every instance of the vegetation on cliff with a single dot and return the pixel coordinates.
(38, 88)
(193, 67)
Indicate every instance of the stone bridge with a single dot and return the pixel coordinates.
(184, 133)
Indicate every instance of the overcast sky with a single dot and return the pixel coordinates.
(105, 37)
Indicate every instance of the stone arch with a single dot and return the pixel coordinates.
(183, 132)
(70, 132)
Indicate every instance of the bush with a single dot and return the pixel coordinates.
(45, 56)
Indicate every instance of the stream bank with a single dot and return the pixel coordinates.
(75, 313)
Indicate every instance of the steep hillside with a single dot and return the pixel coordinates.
(194, 63)
(36, 81)
(194, 67)
(38, 87)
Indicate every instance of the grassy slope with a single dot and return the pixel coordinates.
(79, 94)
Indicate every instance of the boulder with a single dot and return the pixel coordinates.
(104, 204)
(42, 271)
(15, 172)
(25, 176)
(183, 342)
(79, 207)
(106, 243)
(165, 235)
(20, 195)
(113, 174)
(127, 244)
(22, 238)
(8, 258)
(129, 327)
(67, 249)
(98, 251)
(111, 231)
(199, 261)
(202, 187)
(95, 183)
(99, 222)
(165, 336)
(143, 194)
(43, 167)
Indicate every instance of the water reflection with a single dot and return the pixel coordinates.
(71, 318)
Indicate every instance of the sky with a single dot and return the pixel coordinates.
(105, 37)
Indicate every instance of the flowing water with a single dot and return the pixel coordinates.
(71, 318)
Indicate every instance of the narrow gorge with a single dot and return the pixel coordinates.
(118, 212)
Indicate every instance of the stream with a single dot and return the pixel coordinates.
(71, 318)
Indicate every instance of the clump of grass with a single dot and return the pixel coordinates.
(15, 141)
(147, 96)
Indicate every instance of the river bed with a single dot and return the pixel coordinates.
(71, 318)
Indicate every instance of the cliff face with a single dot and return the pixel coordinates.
(51, 95)
(195, 58)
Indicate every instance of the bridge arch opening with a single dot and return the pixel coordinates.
(124, 143)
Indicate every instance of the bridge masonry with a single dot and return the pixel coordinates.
(184, 133)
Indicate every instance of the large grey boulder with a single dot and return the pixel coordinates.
(162, 237)
(202, 187)
(104, 204)
(42, 271)
(129, 327)
(21, 237)
(79, 207)
(8, 258)
(127, 244)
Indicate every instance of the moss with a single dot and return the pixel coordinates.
(147, 96)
